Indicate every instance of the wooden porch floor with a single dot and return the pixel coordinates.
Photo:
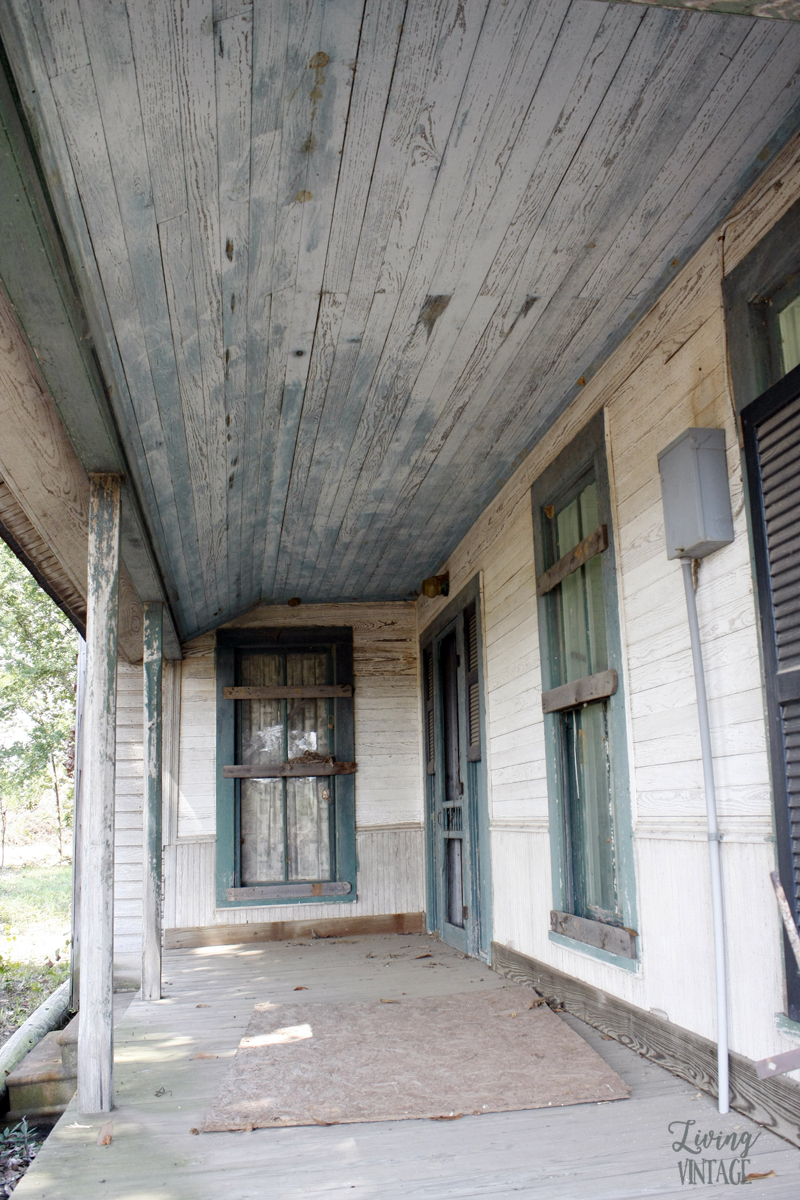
(618, 1149)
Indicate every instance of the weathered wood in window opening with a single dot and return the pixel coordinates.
(308, 691)
(290, 891)
(580, 691)
(288, 770)
(594, 543)
(472, 685)
(612, 938)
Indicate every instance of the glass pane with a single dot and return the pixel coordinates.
(789, 328)
(307, 719)
(591, 831)
(455, 882)
(261, 830)
(261, 720)
(308, 823)
(579, 598)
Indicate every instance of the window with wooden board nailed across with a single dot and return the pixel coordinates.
(590, 826)
(285, 809)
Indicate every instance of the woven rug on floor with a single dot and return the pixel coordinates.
(438, 1057)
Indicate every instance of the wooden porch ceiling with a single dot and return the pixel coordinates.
(344, 262)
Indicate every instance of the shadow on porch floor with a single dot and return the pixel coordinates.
(583, 1152)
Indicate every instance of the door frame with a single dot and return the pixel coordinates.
(478, 926)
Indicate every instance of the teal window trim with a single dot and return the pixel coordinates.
(345, 858)
(583, 457)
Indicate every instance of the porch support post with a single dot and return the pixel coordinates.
(151, 810)
(96, 1037)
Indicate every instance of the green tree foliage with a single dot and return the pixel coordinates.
(38, 657)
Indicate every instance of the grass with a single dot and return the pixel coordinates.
(34, 938)
(19, 1145)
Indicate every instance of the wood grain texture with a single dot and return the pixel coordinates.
(286, 691)
(96, 1047)
(262, 201)
(191, 1048)
(289, 770)
(774, 1103)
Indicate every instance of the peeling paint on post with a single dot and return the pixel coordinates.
(151, 809)
(96, 1041)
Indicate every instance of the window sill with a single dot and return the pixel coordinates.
(268, 893)
(615, 960)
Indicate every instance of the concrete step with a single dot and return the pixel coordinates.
(43, 1084)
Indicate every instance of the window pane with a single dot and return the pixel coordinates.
(789, 327)
(307, 720)
(261, 830)
(579, 598)
(261, 720)
(285, 824)
(308, 823)
(590, 823)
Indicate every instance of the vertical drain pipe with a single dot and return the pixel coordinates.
(713, 840)
(697, 521)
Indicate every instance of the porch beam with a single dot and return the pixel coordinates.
(151, 808)
(776, 10)
(96, 1040)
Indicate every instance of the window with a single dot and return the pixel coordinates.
(582, 700)
(286, 830)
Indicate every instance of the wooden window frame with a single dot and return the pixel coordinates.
(344, 841)
(586, 455)
(763, 283)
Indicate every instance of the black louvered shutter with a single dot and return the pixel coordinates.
(473, 686)
(772, 447)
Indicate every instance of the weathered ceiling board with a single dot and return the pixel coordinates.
(344, 264)
(780, 10)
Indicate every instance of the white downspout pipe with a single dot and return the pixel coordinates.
(713, 841)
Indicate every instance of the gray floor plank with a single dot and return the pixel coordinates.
(583, 1152)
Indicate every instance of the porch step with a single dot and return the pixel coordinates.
(43, 1084)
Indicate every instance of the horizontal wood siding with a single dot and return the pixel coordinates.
(128, 821)
(667, 375)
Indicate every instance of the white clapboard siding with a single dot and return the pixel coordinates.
(128, 812)
(668, 375)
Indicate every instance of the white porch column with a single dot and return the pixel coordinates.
(151, 808)
(96, 1039)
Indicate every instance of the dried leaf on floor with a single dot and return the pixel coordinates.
(301, 988)
(450, 1117)
(106, 1134)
